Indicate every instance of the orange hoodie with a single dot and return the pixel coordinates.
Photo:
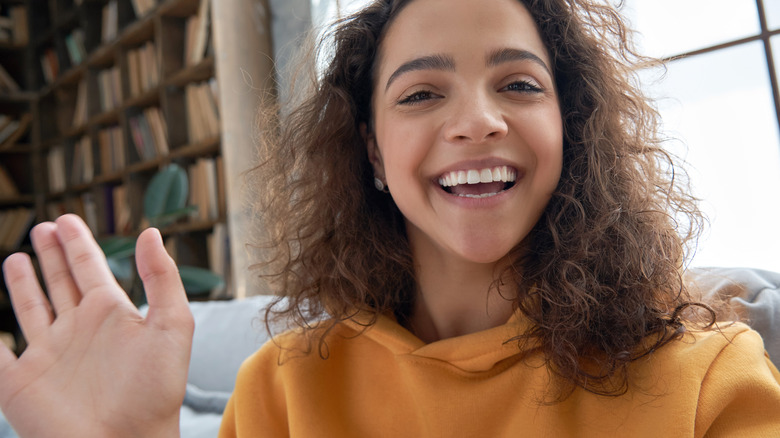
(388, 383)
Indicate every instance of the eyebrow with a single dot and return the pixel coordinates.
(432, 62)
(501, 56)
(447, 63)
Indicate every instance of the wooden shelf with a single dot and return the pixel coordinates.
(71, 165)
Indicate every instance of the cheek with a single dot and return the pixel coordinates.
(547, 143)
(404, 151)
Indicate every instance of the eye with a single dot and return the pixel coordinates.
(523, 87)
(417, 97)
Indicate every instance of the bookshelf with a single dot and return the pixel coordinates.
(112, 92)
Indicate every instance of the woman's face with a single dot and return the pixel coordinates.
(464, 93)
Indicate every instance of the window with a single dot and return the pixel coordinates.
(717, 100)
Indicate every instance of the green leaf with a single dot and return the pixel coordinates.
(122, 268)
(118, 247)
(167, 192)
(198, 280)
(166, 219)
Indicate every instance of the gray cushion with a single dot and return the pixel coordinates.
(754, 293)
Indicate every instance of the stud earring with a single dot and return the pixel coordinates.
(380, 185)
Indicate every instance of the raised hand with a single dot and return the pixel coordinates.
(94, 366)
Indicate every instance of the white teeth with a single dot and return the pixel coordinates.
(476, 176)
(484, 195)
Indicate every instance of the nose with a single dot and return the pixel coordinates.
(477, 118)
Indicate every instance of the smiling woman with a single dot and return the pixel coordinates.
(477, 234)
(532, 220)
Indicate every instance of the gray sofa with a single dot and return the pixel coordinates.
(226, 332)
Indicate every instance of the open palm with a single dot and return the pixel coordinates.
(94, 366)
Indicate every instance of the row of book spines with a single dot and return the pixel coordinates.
(76, 50)
(207, 187)
(109, 88)
(14, 225)
(82, 164)
(196, 35)
(112, 213)
(143, 72)
(202, 110)
(217, 248)
(105, 212)
(110, 17)
(150, 133)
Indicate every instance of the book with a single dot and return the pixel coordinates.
(203, 188)
(80, 110)
(110, 21)
(16, 224)
(150, 150)
(111, 150)
(7, 82)
(90, 210)
(159, 130)
(190, 34)
(15, 130)
(56, 162)
(122, 215)
(109, 88)
(195, 124)
(74, 42)
(202, 33)
(150, 52)
(50, 65)
(134, 72)
(83, 168)
(20, 29)
(138, 139)
(208, 109)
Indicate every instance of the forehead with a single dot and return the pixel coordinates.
(458, 28)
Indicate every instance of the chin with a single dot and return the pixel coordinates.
(485, 252)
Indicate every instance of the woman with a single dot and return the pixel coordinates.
(475, 197)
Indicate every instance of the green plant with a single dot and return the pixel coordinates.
(165, 202)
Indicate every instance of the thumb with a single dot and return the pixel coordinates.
(164, 291)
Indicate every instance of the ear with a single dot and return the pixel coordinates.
(374, 154)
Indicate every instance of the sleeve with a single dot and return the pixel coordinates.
(740, 393)
(257, 406)
(228, 427)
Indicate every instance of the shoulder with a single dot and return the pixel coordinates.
(286, 367)
(299, 348)
(727, 371)
(726, 348)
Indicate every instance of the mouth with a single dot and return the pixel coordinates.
(478, 183)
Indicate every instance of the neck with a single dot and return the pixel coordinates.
(458, 297)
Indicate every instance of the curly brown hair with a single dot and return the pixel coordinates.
(600, 274)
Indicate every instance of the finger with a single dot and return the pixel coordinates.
(7, 357)
(162, 283)
(63, 293)
(86, 261)
(31, 306)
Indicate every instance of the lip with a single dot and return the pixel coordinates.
(487, 202)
